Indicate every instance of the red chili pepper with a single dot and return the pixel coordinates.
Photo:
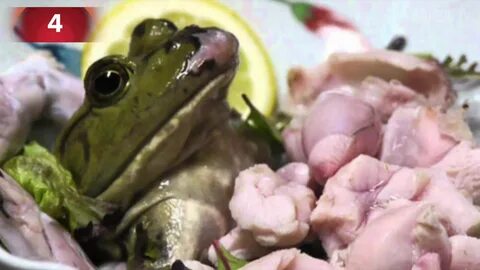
(316, 17)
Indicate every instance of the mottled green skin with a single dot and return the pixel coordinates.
(165, 149)
(106, 134)
(188, 209)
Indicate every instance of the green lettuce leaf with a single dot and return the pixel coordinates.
(53, 188)
(226, 261)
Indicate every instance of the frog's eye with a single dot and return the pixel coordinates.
(106, 81)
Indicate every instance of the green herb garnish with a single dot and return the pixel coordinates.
(461, 68)
(458, 69)
(226, 261)
(262, 126)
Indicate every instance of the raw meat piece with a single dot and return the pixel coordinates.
(347, 199)
(465, 255)
(297, 172)
(241, 244)
(27, 232)
(462, 165)
(434, 187)
(274, 210)
(429, 261)
(423, 77)
(33, 89)
(330, 142)
(400, 238)
(353, 196)
(421, 136)
(287, 259)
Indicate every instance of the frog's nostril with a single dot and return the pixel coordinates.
(171, 45)
(208, 65)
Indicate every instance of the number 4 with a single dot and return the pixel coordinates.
(55, 23)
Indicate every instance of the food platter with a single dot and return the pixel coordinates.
(271, 131)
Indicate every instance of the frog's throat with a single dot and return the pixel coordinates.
(158, 153)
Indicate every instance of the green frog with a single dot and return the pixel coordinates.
(143, 111)
(156, 138)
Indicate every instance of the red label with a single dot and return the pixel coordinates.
(53, 24)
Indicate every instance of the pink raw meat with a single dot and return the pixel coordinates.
(462, 165)
(399, 238)
(465, 255)
(423, 77)
(288, 259)
(421, 136)
(274, 210)
(330, 142)
(346, 201)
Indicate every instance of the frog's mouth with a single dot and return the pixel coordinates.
(217, 50)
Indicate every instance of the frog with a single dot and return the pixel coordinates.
(146, 112)
(156, 138)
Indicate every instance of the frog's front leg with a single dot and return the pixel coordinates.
(171, 230)
(188, 208)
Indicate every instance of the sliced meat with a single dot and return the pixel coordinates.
(22, 231)
(287, 259)
(462, 165)
(465, 255)
(421, 136)
(351, 116)
(64, 248)
(34, 89)
(296, 172)
(424, 77)
(41, 77)
(274, 210)
(330, 142)
(384, 96)
(292, 140)
(16, 118)
(434, 187)
(347, 198)
(331, 153)
(366, 184)
(27, 232)
(399, 238)
(429, 261)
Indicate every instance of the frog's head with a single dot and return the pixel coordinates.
(129, 98)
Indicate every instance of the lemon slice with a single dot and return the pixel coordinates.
(255, 75)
